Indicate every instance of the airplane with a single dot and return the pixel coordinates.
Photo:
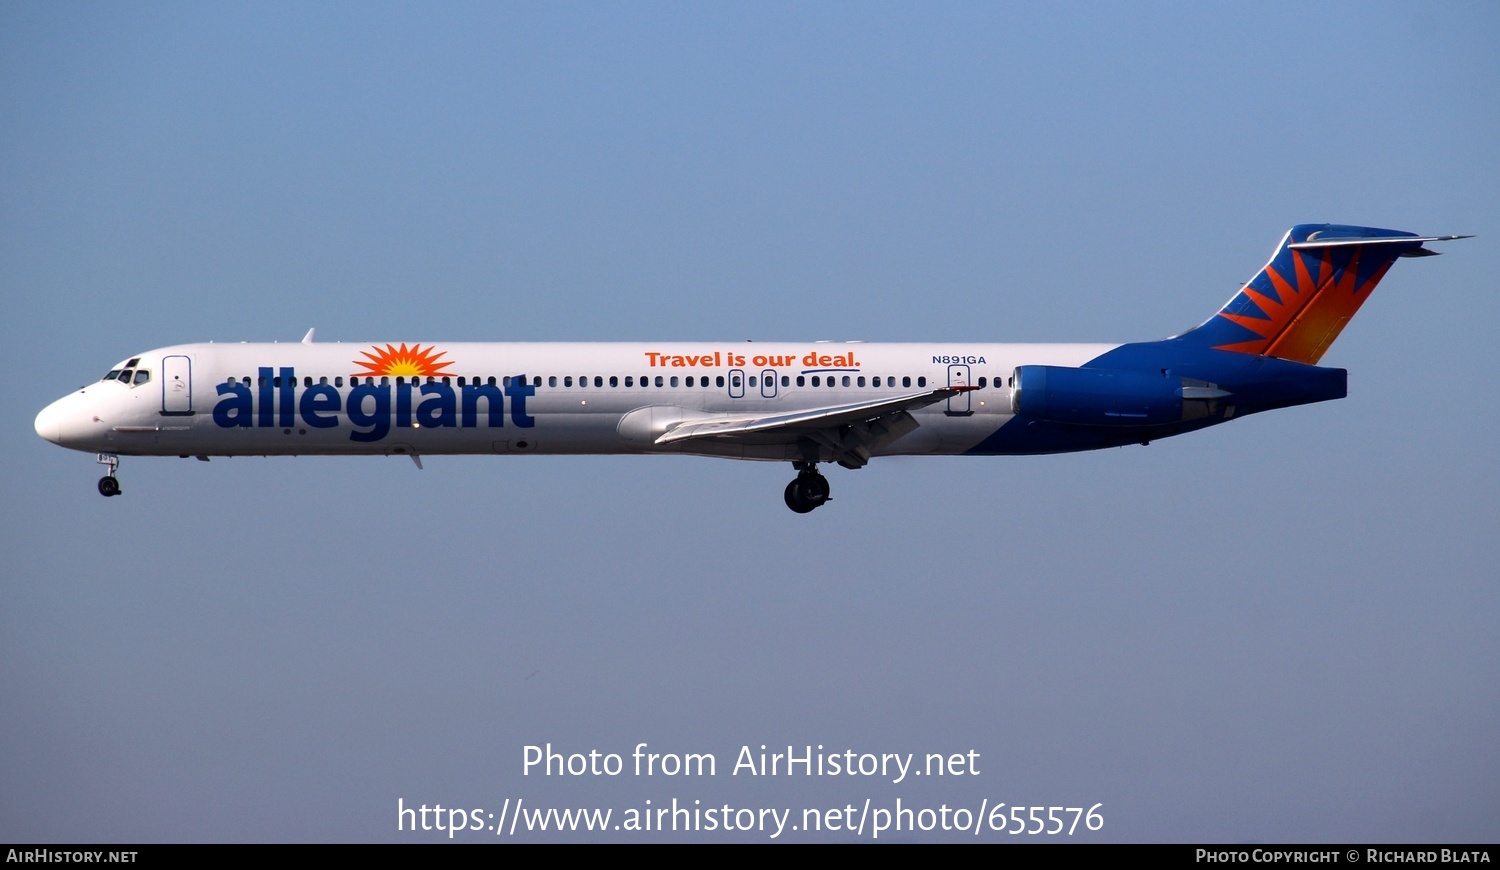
(806, 403)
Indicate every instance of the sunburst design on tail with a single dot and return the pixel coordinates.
(1318, 277)
(403, 361)
(1298, 319)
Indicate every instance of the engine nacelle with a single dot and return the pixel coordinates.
(1107, 397)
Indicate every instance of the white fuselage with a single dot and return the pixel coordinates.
(558, 398)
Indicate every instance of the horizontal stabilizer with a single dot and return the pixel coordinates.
(1315, 241)
(1404, 241)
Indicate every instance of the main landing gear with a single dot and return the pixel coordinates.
(108, 484)
(809, 490)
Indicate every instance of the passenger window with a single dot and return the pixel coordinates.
(629, 381)
(598, 381)
(536, 381)
(981, 383)
(921, 382)
(816, 381)
(786, 381)
(752, 380)
(567, 380)
(614, 381)
(719, 380)
(846, 380)
(689, 381)
(906, 382)
(861, 380)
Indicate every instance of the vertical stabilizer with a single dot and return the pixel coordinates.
(1298, 304)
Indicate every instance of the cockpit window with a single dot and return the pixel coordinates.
(114, 373)
(126, 375)
(142, 377)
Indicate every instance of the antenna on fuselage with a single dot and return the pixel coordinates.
(308, 339)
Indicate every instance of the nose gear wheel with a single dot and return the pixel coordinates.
(109, 485)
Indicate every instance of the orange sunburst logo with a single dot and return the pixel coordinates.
(1305, 314)
(1278, 309)
(403, 361)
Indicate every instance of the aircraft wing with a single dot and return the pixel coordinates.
(850, 431)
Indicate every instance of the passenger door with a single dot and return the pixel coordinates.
(176, 386)
(958, 406)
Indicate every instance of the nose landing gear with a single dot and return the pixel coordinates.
(108, 484)
(809, 490)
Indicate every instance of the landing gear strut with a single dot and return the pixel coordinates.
(809, 490)
(108, 484)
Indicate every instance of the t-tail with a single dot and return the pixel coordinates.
(1258, 353)
(1299, 303)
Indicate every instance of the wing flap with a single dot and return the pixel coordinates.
(801, 422)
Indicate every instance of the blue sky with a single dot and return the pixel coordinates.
(1280, 629)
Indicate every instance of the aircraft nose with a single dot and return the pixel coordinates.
(49, 422)
(73, 422)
